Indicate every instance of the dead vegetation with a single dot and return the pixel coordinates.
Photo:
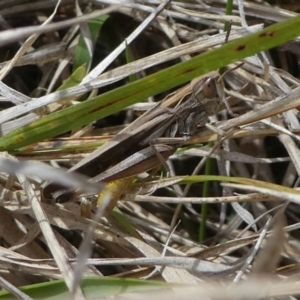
(233, 185)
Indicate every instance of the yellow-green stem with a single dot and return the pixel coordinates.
(228, 13)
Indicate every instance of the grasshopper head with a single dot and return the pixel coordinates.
(209, 90)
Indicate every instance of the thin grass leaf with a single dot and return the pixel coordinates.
(74, 79)
(82, 55)
(93, 287)
(245, 181)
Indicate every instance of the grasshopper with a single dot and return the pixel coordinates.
(152, 137)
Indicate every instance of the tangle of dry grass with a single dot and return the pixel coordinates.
(252, 223)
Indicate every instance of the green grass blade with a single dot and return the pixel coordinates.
(239, 180)
(82, 56)
(74, 79)
(93, 287)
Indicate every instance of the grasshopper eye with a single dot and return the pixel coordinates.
(209, 88)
